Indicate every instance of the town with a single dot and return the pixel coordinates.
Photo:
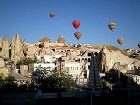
(96, 70)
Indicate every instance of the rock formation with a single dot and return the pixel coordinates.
(3, 69)
(115, 59)
(61, 39)
(45, 39)
(0, 42)
(16, 48)
(122, 68)
(104, 59)
(5, 47)
(0, 45)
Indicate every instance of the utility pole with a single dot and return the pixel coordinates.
(119, 73)
(60, 60)
(119, 76)
(59, 91)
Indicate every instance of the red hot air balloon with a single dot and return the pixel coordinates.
(77, 35)
(112, 26)
(120, 40)
(139, 45)
(52, 14)
(76, 24)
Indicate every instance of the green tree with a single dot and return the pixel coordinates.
(26, 61)
(52, 79)
(1, 82)
(10, 78)
(122, 80)
(8, 84)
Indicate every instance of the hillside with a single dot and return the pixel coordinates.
(112, 48)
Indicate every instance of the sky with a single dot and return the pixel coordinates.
(30, 18)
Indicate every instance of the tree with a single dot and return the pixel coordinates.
(8, 84)
(122, 80)
(26, 61)
(52, 80)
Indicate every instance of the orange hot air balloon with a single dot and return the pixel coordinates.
(112, 26)
(52, 14)
(139, 45)
(76, 24)
(120, 41)
(77, 35)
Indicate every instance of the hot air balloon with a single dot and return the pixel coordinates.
(112, 26)
(52, 14)
(77, 35)
(76, 24)
(120, 40)
(139, 45)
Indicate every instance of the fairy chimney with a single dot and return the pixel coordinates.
(16, 48)
(61, 39)
(5, 47)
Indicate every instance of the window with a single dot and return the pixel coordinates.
(89, 54)
(41, 45)
(96, 54)
(88, 66)
(85, 74)
(53, 50)
(88, 59)
(10, 52)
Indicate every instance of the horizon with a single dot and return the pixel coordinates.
(31, 20)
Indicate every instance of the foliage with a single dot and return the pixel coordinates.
(53, 79)
(28, 87)
(103, 84)
(113, 77)
(26, 61)
(10, 62)
(10, 78)
(8, 84)
(1, 81)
